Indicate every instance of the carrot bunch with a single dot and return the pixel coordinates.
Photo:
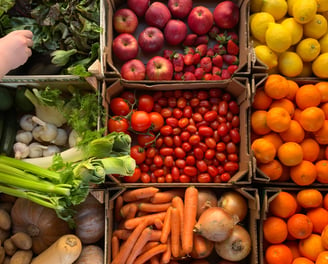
(154, 225)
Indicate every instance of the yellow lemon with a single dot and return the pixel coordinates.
(316, 28)
(277, 37)
(320, 66)
(290, 4)
(324, 43)
(308, 49)
(259, 25)
(277, 8)
(255, 5)
(322, 5)
(290, 64)
(266, 55)
(304, 10)
(294, 28)
(307, 70)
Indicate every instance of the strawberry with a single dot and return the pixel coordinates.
(196, 58)
(203, 39)
(206, 64)
(230, 59)
(188, 59)
(167, 54)
(225, 74)
(219, 49)
(207, 77)
(199, 73)
(232, 68)
(210, 52)
(178, 62)
(214, 31)
(188, 76)
(201, 49)
(178, 76)
(216, 77)
(216, 70)
(232, 47)
(222, 38)
(233, 36)
(189, 68)
(189, 50)
(190, 40)
(217, 60)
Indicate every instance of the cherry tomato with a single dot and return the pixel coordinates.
(205, 131)
(145, 103)
(157, 95)
(209, 154)
(168, 141)
(144, 167)
(138, 153)
(235, 121)
(135, 177)
(201, 165)
(194, 139)
(223, 129)
(194, 102)
(190, 171)
(184, 178)
(225, 177)
(166, 112)
(197, 117)
(172, 121)
(204, 178)
(119, 106)
(187, 111)
(202, 95)
(158, 161)
(183, 122)
(235, 136)
(166, 130)
(187, 94)
(168, 161)
(177, 113)
(159, 173)
(157, 121)
(231, 166)
(168, 178)
(145, 140)
(145, 177)
(210, 142)
(234, 107)
(180, 163)
(231, 147)
(179, 153)
(177, 141)
(151, 152)
(190, 161)
(162, 101)
(172, 102)
(166, 151)
(210, 116)
(185, 135)
(220, 147)
(198, 153)
(226, 97)
(140, 121)
(118, 124)
(175, 172)
(212, 170)
(128, 96)
(223, 108)
(215, 92)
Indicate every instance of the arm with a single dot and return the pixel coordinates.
(15, 49)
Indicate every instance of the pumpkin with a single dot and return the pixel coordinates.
(41, 223)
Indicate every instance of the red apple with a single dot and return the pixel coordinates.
(139, 7)
(175, 31)
(200, 20)
(125, 47)
(226, 14)
(159, 68)
(125, 21)
(180, 8)
(157, 15)
(133, 70)
(151, 39)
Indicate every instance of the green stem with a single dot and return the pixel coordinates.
(4, 168)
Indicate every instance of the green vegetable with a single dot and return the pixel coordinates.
(66, 184)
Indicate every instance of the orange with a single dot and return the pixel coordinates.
(292, 89)
(261, 100)
(299, 226)
(274, 138)
(302, 260)
(319, 218)
(304, 173)
(278, 119)
(321, 136)
(322, 258)
(290, 153)
(274, 230)
(273, 169)
(311, 246)
(322, 171)
(278, 254)
(276, 86)
(323, 89)
(293, 245)
(309, 198)
(325, 201)
(324, 108)
(307, 95)
(264, 151)
(259, 122)
(285, 176)
(294, 133)
(286, 104)
(324, 237)
(311, 149)
(283, 205)
(297, 114)
(312, 118)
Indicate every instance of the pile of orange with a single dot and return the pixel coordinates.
(289, 123)
(295, 230)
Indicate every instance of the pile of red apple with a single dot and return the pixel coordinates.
(184, 41)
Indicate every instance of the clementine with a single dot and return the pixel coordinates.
(274, 138)
(309, 198)
(276, 86)
(322, 171)
(319, 218)
(259, 122)
(278, 119)
(323, 89)
(324, 237)
(299, 226)
(311, 246)
(286, 104)
(295, 132)
(292, 89)
(274, 230)
(307, 95)
(302, 260)
(322, 258)
(304, 173)
(261, 100)
(278, 254)
(321, 135)
(272, 169)
(312, 118)
(283, 205)
(290, 153)
(310, 149)
(264, 151)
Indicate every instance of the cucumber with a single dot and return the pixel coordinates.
(22, 103)
(6, 99)
(2, 122)
(8, 138)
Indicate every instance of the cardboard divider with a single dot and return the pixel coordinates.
(250, 223)
(238, 87)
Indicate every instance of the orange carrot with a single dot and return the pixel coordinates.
(129, 210)
(166, 256)
(158, 223)
(166, 196)
(149, 245)
(154, 260)
(118, 206)
(202, 246)
(122, 234)
(189, 220)
(153, 208)
(155, 235)
(140, 243)
(137, 194)
(177, 202)
(115, 246)
(175, 232)
(150, 253)
(166, 226)
(133, 222)
(126, 248)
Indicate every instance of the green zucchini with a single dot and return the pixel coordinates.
(2, 122)
(8, 138)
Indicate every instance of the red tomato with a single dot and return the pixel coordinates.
(144, 140)
(135, 177)
(145, 103)
(140, 121)
(119, 106)
(145, 177)
(118, 124)
(129, 96)
(138, 153)
(157, 121)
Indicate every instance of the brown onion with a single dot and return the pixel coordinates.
(234, 203)
(215, 224)
(206, 199)
(236, 247)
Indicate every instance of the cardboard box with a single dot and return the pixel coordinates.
(238, 87)
(244, 56)
(250, 194)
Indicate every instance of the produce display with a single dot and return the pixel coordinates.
(179, 136)
(176, 40)
(290, 37)
(180, 225)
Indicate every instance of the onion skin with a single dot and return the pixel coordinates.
(236, 247)
(206, 199)
(215, 224)
(234, 203)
